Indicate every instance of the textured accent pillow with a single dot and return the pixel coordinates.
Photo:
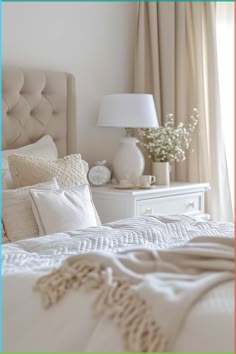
(17, 214)
(63, 209)
(44, 148)
(28, 170)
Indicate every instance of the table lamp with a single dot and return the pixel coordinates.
(128, 111)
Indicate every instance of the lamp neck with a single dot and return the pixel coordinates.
(129, 140)
(129, 132)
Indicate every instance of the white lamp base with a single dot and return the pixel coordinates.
(128, 163)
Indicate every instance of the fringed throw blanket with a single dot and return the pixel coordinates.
(147, 293)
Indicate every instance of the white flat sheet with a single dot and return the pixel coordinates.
(70, 326)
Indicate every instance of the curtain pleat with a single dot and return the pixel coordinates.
(176, 61)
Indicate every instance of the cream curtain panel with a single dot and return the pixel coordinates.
(176, 61)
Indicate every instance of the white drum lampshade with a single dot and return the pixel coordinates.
(128, 111)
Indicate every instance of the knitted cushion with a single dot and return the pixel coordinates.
(27, 170)
(44, 148)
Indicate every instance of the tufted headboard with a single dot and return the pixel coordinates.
(36, 103)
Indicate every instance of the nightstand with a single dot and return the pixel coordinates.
(177, 198)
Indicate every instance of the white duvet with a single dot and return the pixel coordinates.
(70, 326)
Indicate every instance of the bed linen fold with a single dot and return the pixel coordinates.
(129, 282)
(71, 325)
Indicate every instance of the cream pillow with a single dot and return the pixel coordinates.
(44, 148)
(17, 215)
(27, 170)
(63, 209)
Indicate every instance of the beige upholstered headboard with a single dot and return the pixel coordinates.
(36, 103)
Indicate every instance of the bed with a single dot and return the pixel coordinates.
(37, 104)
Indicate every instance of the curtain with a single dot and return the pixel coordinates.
(176, 61)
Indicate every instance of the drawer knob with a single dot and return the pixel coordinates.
(191, 204)
(148, 211)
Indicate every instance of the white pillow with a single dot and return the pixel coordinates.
(17, 215)
(63, 209)
(44, 148)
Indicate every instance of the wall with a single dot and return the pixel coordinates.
(94, 41)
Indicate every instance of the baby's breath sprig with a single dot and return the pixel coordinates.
(169, 143)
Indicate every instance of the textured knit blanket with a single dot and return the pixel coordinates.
(147, 293)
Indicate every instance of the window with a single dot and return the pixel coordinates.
(225, 51)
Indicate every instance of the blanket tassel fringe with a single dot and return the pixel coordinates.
(116, 299)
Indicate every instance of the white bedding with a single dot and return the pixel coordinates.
(70, 326)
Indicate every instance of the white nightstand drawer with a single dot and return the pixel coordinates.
(177, 198)
(179, 204)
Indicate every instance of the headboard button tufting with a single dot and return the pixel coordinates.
(34, 101)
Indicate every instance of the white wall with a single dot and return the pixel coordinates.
(94, 41)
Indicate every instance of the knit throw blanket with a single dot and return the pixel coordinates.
(147, 293)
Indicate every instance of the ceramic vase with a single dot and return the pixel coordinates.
(128, 163)
(161, 170)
